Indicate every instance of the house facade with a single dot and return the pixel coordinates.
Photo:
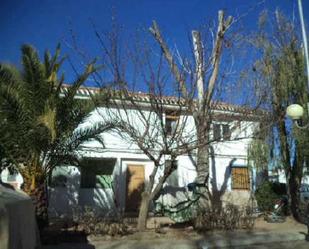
(112, 176)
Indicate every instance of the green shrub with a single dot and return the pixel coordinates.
(266, 196)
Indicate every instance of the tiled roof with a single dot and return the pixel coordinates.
(86, 92)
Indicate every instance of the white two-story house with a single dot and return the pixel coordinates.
(113, 175)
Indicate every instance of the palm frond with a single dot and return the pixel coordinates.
(36, 85)
(52, 66)
(34, 72)
(70, 110)
(13, 101)
(67, 149)
(90, 133)
(90, 69)
(48, 119)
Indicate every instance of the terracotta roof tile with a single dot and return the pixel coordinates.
(169, 100)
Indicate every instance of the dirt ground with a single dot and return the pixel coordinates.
(169, 230)
(164, 228)
(289, 225)
(289, 234)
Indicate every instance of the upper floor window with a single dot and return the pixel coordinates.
(221, 132)
(171, 122)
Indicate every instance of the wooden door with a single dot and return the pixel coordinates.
(135, 187)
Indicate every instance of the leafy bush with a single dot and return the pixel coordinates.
(266, 195)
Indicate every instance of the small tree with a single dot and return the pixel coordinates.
(281, 74)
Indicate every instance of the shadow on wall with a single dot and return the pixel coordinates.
(216, 194)
(135, 186)
(171, 196)
(99, 199)
(63, 191)
(67, 195)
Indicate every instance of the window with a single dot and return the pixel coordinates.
(221, 132)
(240, 178)
(171, 122)
(217, 131)
(172, 180)
(226, 132)
(97, 173)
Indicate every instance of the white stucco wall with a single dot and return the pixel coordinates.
(62, 200)
(120, 147)
(6, 177)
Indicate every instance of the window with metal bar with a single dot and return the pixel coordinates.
(240, 178)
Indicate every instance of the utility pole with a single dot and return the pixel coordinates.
(303, 29)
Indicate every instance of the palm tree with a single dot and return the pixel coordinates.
(38, 122)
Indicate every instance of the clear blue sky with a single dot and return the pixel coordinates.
(44, 23)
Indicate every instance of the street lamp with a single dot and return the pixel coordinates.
(296, 112)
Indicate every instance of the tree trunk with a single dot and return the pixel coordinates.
(39, 198)
(37, 190)
(202, 165)
(294, 195)
(288, 189)
(295, 184)
(202, 162)
(215, 200)
(286, 159)
(143, 212)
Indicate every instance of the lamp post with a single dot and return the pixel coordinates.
(295, 111)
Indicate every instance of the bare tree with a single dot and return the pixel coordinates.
(141, 121)
(141, 118)
(205, 86)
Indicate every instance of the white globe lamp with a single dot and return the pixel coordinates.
(295, 111)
